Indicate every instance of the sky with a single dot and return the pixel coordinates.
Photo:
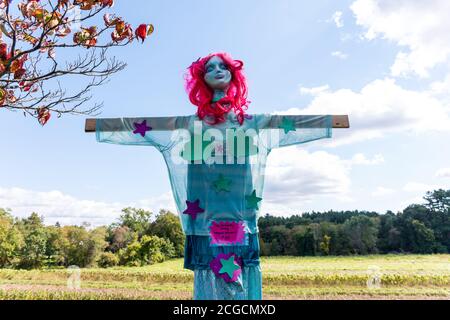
(385, 63)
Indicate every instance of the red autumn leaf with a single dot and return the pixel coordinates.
(43, 116)
(141, 32)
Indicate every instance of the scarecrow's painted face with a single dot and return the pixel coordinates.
(217, 75)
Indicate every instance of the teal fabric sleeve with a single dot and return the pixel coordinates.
(276, 131)
(122, 131)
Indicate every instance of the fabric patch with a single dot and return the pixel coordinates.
(252, 201)
(222, 184)
(193, 208)
(227, 266)
(141, 128)
(287, 125)
(227, 233)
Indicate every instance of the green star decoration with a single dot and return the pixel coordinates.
(222, 184)
(252, 200)
(287, 125)
(228, 266)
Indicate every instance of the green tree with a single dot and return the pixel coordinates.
(155, 249)
(341, 242)
(416, 237)
(119, 237)
(82, 247)
(362, 233)
(281, 243)
(331, 245)
(147, 250)
(389, 237)
(131, 254)
(73, 245)
(33, 253)
(11, 240)
(439, 206)
(325, 245)
(54, 250)
(137, 220)
(108, 259)
(96, 245)
(275, 248)
(304, 240)
(168, 226)
(438, 200)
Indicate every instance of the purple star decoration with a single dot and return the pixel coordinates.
(193, 208)
(141, 128)
(216, 265)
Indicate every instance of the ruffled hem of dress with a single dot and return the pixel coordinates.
(207, 286)
(198, 253)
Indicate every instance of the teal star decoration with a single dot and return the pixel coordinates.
(252, 200)
(229, 266)
(287, 125)
(222, 184)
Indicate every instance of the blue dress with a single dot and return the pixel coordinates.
(217, 178)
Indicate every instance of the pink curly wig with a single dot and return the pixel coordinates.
(201, 95)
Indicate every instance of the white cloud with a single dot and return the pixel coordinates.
(340, 55)
(162, 201)
(297, 179)
(441, 88)
(337, 19)
(382, 107)
(361, 159)
(56, 206)
(443, 173)
(382, 191)
(419, 187)
(315, 91)
(422, 28)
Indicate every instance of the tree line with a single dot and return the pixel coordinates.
(423, 228)
(139, 238)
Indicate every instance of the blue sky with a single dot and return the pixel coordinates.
(361, 57)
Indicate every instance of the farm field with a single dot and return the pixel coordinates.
(400, 277)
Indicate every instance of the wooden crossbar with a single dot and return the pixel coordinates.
(339, 122)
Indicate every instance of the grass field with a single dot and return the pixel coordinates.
(402, 277)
